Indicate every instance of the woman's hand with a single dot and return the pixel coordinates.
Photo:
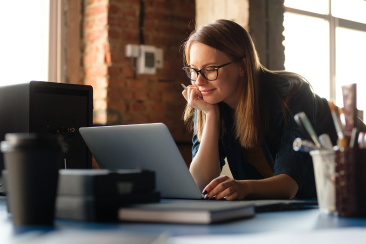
(195, 100)
(224, 186)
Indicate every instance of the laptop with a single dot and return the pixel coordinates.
(143, 146)
(151, 146)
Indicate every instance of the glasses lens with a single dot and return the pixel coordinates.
(209, 73)
(191, 73)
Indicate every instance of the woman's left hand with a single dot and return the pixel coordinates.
(224, 186)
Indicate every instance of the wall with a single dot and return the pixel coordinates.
(265, 28)
(235, 10)
(98, 30)
(120, 95)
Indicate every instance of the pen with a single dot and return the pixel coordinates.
(185, 88)
(303, 145)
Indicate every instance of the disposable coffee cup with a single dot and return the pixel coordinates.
(32, 161)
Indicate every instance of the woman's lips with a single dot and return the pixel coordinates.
(207, 91)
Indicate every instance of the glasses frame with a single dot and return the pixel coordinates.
(200, 71)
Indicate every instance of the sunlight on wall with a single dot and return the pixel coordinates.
(24, 41)
(307, 50)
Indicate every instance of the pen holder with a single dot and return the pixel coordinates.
(323, 161)
(350, 167)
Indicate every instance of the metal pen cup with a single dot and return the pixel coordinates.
(323, 161)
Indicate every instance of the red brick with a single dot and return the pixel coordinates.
(139, 118)
(89, 59)
(138, 106)
(106, 47)
(128, 72)
(156, 117)
(169, 97)
(164, 86)
(154, 96)
(114, 70)
(114, 34)
(96, 71)
(101, 22)
(128, 2)
(113, 9)
(130, 36)
(113, 94)
(136, 84)
(131, 12)
(116, 82)
(107, 58)
(114, 20)
(89, 24)
(95, 35)
(141, 95)
(158, 107)
(117, 105)
(126, 95)
(96, 10)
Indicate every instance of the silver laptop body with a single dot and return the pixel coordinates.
(143, 146)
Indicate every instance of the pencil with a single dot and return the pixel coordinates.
(185, 88)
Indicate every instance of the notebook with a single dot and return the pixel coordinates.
(143, 146)
(188, 212)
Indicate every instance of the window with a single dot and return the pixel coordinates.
(325, 43)
(24, 41)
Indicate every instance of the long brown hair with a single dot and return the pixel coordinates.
(251, 115)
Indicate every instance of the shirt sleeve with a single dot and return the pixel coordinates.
(287, 161)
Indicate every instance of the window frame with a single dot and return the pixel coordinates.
(334, 22)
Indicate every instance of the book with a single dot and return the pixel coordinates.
(89, 182)
(189, 212)
(99, 209)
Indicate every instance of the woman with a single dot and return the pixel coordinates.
(244, 112)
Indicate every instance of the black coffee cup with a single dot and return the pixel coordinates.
(32, 161)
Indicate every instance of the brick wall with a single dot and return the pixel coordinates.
(120, 95)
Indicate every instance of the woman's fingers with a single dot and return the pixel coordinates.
(225, 187)
(214, 183)
(191, 95)
(194, 93)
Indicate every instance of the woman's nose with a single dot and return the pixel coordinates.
(200, 80)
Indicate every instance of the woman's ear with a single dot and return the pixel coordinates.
(243, 66)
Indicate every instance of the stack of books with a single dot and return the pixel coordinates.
(96, 195)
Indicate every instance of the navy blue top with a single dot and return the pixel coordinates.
(277, 144)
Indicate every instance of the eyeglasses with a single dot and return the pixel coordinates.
(209, 73)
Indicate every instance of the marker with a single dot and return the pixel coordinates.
(185, 88)
(326, 142)
(306, 123)
(337, 121)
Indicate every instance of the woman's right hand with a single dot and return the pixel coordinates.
(195, 100)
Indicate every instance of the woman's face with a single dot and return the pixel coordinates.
(225, 87)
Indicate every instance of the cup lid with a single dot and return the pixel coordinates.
(30, 140)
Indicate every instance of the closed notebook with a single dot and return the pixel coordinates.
(189, 212)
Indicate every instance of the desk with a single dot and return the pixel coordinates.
(296, 220)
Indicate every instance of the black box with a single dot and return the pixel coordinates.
(46, 107)
(96, 195)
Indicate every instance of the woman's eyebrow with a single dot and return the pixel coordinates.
(205, 65)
